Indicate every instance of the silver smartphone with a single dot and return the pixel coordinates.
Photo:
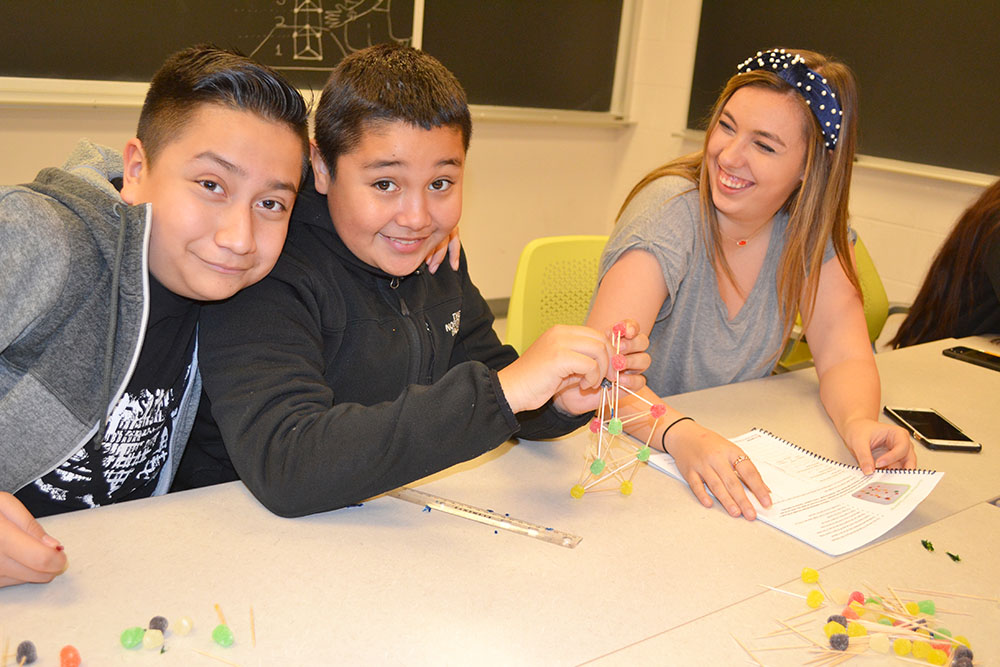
(929, 427)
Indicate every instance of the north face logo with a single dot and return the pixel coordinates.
(452, 327)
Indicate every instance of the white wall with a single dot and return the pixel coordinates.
(524, 181)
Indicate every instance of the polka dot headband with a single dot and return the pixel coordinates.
(813, 88)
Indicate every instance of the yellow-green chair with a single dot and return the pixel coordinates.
(555, 279)
(874, 299)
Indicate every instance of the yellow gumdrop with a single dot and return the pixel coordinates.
(912, 608)
(920, 649)
(856, 630)
(963, 640)
(814, 599)
(858, 608)
(879, 643)
(809, 575)
(833, 628)
(626, 488)
(937, 657)
(923, 631)
(901, 646)
(577, 491)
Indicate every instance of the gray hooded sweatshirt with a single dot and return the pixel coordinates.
(74, 299)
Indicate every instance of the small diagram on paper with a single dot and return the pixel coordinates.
(883, 493)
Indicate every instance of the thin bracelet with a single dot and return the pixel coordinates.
(663, 438)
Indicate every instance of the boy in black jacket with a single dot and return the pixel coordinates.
(350, 371)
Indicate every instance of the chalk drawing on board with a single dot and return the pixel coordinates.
(305, 36)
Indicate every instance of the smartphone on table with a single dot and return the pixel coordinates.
(928, 426)
(973, 356)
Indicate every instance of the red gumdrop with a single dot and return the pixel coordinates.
(658, 410)
(595, 425)
(849, 613)
(856, 596)
(619, 329)
(618, 361)
(69, 656)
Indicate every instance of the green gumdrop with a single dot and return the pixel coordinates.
(615, 426)
(643, 454)
(885, 621)
(873, 600)
(926, 607)
(222, 635)
(132, 637)
(944, 632)
(597, 466)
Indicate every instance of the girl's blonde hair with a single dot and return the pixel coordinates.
(817, 208)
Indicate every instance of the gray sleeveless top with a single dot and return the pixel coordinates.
(694, 344)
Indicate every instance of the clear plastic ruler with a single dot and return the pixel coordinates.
(489, 517)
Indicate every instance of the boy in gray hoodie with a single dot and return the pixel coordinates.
(103, 265)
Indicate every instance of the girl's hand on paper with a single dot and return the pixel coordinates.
(891, 444)
(705, 458)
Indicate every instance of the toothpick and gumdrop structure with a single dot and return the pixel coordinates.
(613, 458)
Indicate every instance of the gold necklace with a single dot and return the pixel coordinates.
(742, 242)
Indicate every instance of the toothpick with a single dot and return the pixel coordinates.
(218, 610)
(641, 398)
(253, 630)
(806, 637)
(778, 590)
(800, 614)
(781, 631)
(902, 607)
(215, 657)
(825, 594)
(749, 652)
(919, 662)
(905, 632)
(783, 648)
(924, 591)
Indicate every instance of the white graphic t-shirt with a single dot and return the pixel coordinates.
(127, 462)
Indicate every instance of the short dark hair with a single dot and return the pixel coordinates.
(386, 83)
(205, 74)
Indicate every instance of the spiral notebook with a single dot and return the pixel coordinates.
(828, 505)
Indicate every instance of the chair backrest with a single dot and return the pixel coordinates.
(873, 295)
(874, 300)
(555, 279)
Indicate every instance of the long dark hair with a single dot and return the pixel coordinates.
(948, 289)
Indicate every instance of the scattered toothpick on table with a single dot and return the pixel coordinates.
(215, 657)
(222, 617)
(749, 652)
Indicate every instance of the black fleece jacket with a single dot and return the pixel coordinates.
(332, 381)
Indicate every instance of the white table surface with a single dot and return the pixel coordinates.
(387, 583)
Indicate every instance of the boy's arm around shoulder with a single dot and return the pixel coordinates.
(299, 448)
(34, 260)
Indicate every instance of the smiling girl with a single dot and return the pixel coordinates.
(716, 252)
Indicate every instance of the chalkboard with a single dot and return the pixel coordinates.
(127, 41)
(927, 69)
(558, 54)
